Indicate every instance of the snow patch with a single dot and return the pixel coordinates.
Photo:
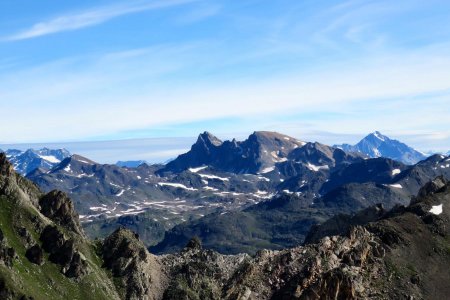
(376, 152)
(50, 158)
(84, 175)
(396, 185)
(115, 185)
(436, 209)
(317, 168)
(98, 208)
(396, 171)
(208, 188)
(379, 136)
(176, 185)
(213, 177)
(84, 161)
(195, 170)
(267, 170)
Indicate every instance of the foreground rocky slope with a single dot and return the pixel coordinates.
(43, 251)
(403, 254)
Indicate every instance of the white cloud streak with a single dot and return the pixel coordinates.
(113, 95)
(90, 17)
(400, 91)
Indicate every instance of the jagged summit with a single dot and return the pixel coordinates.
(208, 139)
(379, 136)
(260, 151)
(378, 145)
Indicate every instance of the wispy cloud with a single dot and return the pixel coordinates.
(90, 17)
(255, 70)
(134, 88)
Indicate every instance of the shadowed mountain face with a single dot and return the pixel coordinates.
(258, 153)
(378, 145)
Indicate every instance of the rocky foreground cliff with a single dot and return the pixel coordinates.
(403, 253)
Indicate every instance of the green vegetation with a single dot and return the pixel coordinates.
(46, 281)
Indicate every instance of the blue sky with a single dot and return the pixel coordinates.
(330, 71)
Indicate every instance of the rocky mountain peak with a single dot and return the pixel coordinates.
(378, 135)
(208, 139)
(432, 187)
(126, 256)
(122, 244)
(378, 145)
(75, 164)
(57, 206)
(260, 151)
(6, 169)
(194, 243)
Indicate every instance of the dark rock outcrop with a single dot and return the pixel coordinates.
(194, 243)
(7, 254)
(6, 169)
(63, 252)
(141, 276)
(57, 206)
(431, 187)
(35, 255)
(11, 184)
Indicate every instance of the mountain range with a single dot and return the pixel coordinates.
(275, 186)
(31, 159)
(374, 254)
(378, 145)
(284, 220)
